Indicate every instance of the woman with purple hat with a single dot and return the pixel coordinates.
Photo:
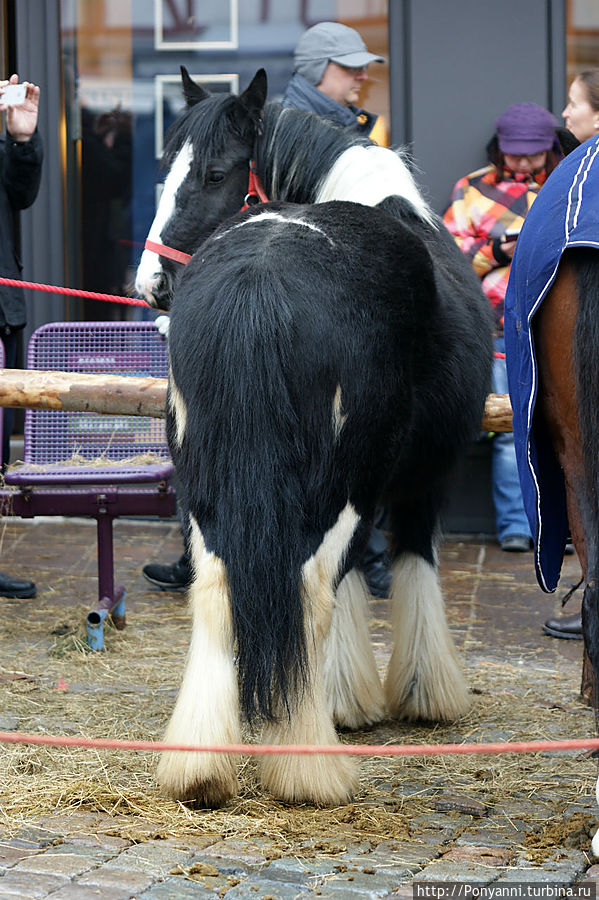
(485, 215)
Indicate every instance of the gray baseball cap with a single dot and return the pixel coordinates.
(330, 42)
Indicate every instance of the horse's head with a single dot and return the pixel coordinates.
(207, 154)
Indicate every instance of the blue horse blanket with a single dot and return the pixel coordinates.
(565, 214)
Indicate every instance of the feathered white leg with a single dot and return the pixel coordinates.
(424, 678)
(351, 681)
(595, 841)
(323, 780)
(207, 708)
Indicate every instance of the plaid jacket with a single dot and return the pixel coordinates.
(480, 211)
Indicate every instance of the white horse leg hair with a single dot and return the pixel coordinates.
(177, 408)
(323, 780)
(207, 708)
(595, 841)
(424, 679)
(352, 685)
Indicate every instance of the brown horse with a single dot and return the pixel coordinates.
(554, 330)
(552, 343)
(565, 348)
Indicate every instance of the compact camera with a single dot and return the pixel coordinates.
(13, 95)
(511, 234)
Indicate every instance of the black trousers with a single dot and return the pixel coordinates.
(376, 548)
(10, 342)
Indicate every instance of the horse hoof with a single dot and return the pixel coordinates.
(362, 707)
(358, 719)
(321, 780)
(208, 785)
(411, 700)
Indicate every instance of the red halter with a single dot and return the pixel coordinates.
(255, 194)
(170, 252)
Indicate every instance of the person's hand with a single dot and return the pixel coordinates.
(21, 120)
(508, 248)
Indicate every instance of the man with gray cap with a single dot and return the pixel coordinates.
(330, 66)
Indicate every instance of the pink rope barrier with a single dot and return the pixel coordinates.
(15, 737)
(73, 292)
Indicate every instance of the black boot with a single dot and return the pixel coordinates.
(169, 578)
(567, 627)
(376, 566)
(378, 576)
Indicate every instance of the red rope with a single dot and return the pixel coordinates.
(72, 292)
(15, 737)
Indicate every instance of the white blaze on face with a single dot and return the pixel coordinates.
(150, 267)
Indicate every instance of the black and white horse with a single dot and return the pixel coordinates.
(326, 356)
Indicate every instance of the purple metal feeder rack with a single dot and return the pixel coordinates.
(100, 484)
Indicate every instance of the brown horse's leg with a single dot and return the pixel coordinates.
(554, 332)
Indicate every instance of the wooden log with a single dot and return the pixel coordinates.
(498, 413)
(77, 392)
(134, 396)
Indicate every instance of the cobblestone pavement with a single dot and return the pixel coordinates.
(496, 612)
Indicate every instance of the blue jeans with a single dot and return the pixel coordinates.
(510, 517)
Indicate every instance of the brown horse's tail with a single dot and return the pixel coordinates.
(585, 261)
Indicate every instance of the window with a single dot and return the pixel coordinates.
(582, 29)
(121, 62)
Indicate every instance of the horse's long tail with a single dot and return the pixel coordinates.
(263, 557)
(586, 364)
(586, 359)
(246, 480)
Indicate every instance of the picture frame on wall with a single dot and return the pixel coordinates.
(169, 100)
(196, 24)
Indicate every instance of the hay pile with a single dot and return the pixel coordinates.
(50, 682)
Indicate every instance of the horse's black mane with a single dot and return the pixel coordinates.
(210, 125)
(295, 150)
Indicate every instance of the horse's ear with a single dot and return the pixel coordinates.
(254, 96)
(192, 92)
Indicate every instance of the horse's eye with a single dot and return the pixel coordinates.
(215, 177)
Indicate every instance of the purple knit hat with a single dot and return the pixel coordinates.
(524, 129)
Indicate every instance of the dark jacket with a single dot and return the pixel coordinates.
(20, 173)
(301, 94)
